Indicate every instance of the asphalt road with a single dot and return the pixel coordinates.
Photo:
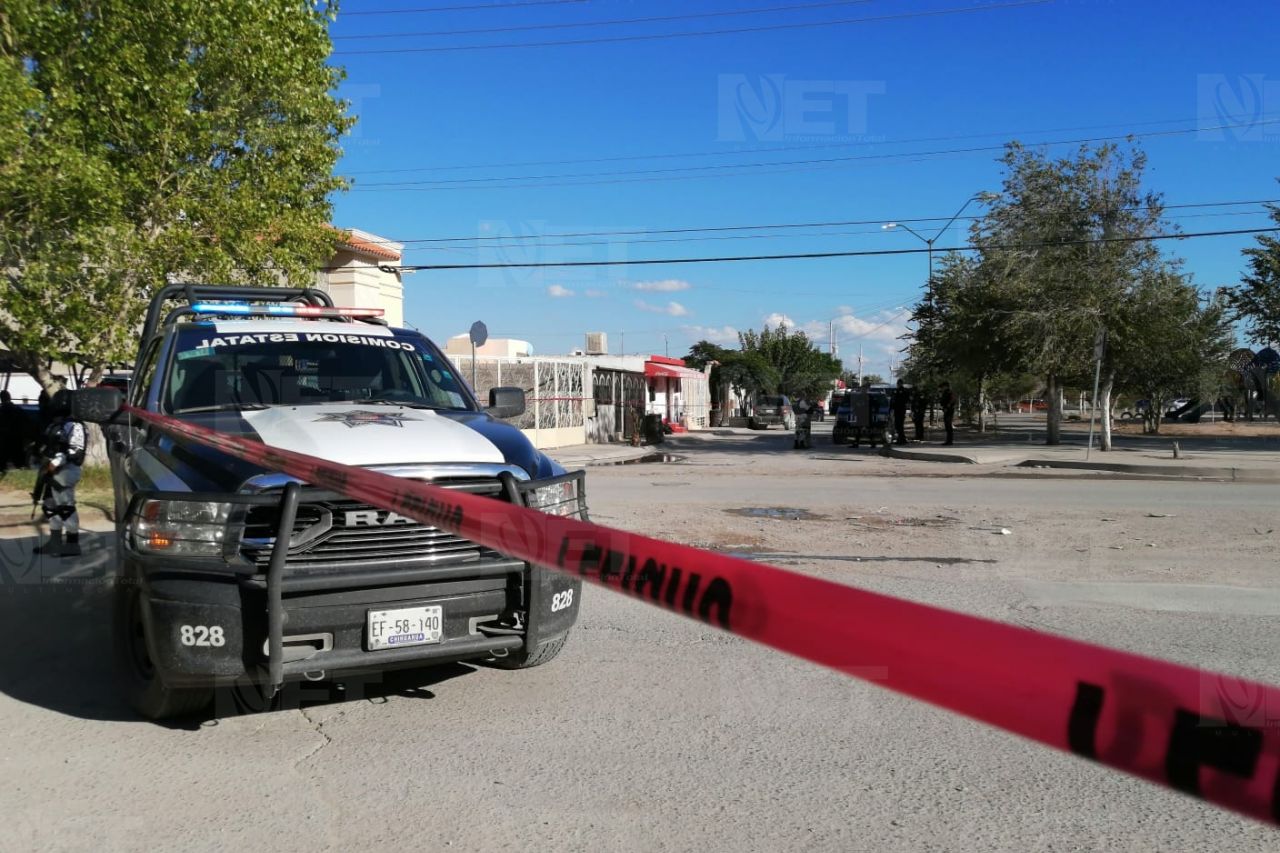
(652, 733)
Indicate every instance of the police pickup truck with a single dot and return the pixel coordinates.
(231, 575)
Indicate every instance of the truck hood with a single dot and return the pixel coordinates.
(371, 435)
(342, 432)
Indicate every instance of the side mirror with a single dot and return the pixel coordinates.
(96, 405)
(506, 402)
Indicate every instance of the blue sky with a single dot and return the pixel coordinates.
(491, 122)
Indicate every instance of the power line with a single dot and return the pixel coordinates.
(773, 149)
(774, 226)
(931, 13)
(467, 8)
(410, 186)
(802, 235)
(616, 22)
(814, 255)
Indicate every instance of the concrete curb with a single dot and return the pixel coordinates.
(588, 460)
(1185, 472)
(895, 452)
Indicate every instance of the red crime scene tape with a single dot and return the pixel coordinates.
(1210, 735)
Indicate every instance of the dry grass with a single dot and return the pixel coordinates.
(1205, 429)
(93, 493)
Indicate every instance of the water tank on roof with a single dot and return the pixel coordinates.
(597, 343)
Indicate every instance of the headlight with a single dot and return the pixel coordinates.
(185, 528)
(556, 499)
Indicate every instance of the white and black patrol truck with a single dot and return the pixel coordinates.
(231, 574)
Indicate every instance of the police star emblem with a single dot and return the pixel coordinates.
(358, 418)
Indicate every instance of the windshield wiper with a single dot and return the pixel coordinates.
(224, 407)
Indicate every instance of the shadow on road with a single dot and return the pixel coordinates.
(55, 631)
(773, 442)
(55, 621)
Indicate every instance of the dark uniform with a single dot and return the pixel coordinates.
(15, 431)
(919, 404)
(948, 401)
(61, 458)
(898, 404)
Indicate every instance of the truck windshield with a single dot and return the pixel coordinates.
(214, 369)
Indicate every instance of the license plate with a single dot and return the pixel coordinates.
(409, 626)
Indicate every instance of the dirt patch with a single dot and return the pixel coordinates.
(885, 522)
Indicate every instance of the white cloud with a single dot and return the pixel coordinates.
(672, 309)
(668, 285)
(878, 334)
(776, 319)
(557, 291)
(717, 335)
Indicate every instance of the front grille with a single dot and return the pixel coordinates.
(342, 532)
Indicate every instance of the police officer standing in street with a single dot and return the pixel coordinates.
(62, 455)
(899, 403)
(919, 404)
(948, 401)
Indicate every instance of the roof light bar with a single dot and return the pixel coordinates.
(244, 308)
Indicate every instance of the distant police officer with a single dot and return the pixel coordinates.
(919, 404)
(948, 401)
(899, 403)
(15, 432)
(62, 456)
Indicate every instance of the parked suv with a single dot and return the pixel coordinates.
(772, 410)
(199, 599)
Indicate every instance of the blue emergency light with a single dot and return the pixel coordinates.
(246, 309)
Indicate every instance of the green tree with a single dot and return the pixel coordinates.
(1171, 341)
(1063, 246)
(1257, 299)
(140, 142)
(732, 369)
(803, 370)
(963, 332)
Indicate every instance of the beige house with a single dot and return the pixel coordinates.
(497, 347)
(353, 277)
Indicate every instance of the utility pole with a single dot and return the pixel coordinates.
(622, 342)
(831, 337)
(929, 241)
(859, 364)
(666, 346)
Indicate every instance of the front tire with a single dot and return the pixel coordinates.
(142, 685)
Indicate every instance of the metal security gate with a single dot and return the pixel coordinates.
(620, 398)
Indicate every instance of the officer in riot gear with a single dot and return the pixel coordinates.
(61, 457)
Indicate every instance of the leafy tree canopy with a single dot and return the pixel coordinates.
(1257, 299)
(140, 141)
(803, 371)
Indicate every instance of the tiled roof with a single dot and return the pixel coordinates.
(368, 244)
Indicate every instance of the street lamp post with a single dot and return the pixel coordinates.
(929, 241)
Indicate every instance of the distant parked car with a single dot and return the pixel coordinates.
(772, 410)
